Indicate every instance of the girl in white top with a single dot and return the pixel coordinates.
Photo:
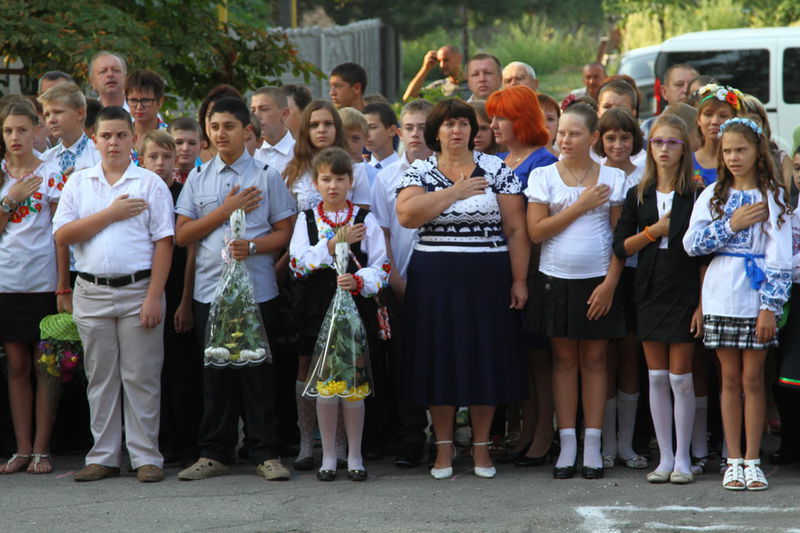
(574, 204)
(320, 127)
(744, 221)
(30, 190)
(620, 137)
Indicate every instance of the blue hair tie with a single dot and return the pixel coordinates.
(739, 120)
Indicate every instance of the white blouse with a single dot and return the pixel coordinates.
(664, 205)
(27, 250)
(764, 251)
(308, 196)
(583, 249)
(632, 180)
(306, 259)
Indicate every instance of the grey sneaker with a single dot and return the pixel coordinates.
(273, 470)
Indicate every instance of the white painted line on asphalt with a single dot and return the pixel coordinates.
(596, 519)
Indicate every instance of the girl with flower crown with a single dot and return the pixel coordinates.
(33, 283)
(717, 103)
(744, 221)
(312, 251)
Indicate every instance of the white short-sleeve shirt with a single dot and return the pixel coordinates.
(583, 249)
(125, 246)
(27, 250)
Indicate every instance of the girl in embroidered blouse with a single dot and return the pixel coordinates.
(620, 138)
(743, 220)
(311, 250)
(574, 205)
(33, 270)
(717, 103)
(320, 128)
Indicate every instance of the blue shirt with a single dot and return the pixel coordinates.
(205, 190)
(708, 175)
(538, 158)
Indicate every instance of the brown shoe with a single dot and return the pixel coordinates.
(149, 474)
(95, 472)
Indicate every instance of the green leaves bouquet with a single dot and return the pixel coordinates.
(235, 335)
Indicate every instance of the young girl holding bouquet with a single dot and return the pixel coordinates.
(666, 290)
(312, 251)
(32, 278)
(744, 221)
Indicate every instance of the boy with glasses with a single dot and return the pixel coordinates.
(144, 91)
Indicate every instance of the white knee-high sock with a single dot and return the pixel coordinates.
(306, 420)
(341, 438)
(353, 414)
(610, 429)
(661, 411)
(683, 390)
(591, 448)
(626, 416)
(569, 447)
(327, 414)
(700, 429)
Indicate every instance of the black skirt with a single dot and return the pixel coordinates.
(558, 309)
(627, 283)
(21, 312)
(460, 335)
(661, 316)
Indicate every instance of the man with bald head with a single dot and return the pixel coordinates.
(519, 73)
(449, 60)
(484, 76)
(107, 72)
(593, 76)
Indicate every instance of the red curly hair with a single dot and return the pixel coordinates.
(520, 105)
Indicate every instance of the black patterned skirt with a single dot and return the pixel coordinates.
(733, 332)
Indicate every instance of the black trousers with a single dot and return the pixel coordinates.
(227, 392)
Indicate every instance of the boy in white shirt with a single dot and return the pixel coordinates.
(118, 218)
(271, 106)
(381, 131)
(412, 420)
(64, 114)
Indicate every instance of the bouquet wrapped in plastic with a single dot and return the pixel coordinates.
(62, 352)
(340, 360)
(235, 335)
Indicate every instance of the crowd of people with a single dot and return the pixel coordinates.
(509, 253)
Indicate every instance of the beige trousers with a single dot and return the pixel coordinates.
(123, 365)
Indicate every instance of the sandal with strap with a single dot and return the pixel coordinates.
(636, 462)
(754, 478)
(33, 467)
(734, 476)
(486, 472)
(447, 472)
(13, 458)
(699, 465)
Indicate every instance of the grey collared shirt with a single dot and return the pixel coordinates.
(206, 189)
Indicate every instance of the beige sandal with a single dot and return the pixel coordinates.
(33, 466)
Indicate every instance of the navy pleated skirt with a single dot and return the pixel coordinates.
(460, 342)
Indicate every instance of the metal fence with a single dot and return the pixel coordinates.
(369, 43)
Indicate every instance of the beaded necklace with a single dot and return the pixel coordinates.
(331, 223)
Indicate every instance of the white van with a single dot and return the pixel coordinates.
(764, 62)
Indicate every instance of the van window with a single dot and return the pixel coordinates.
(746, 70)
(791, 76)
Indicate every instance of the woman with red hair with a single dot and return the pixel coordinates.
(518, 122)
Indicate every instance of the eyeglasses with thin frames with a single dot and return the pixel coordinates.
(658, 142)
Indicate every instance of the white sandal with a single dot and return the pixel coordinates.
(36, 459)
(753, 475)
(13, 458)
(486, 472)
(734, 475)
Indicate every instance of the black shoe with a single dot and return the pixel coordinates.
(592, 473)
(783, 457)
(304, 464)
(341, 464)
(525, 460)
(357, 475)
(564, 472)
(326, 475)
(408, 459)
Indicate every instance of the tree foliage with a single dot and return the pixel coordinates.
(180, 39)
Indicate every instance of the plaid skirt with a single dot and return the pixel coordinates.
(731, 332)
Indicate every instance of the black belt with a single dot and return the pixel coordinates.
(116, 282)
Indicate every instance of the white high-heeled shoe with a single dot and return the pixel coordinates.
(486, 472)
(447, 472)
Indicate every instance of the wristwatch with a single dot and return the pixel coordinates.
(7, 206)
(251, 248)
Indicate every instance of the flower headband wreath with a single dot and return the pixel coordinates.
(739, 120)
(723, 93)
